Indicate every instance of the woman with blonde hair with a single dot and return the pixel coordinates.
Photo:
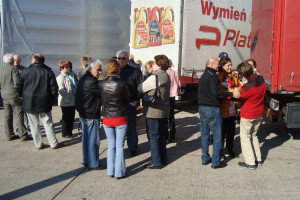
(114, 97)
(84, 61)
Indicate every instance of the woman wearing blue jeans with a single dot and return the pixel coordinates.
(157, 114)
(114, 97)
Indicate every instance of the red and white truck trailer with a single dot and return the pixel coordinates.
(275, 47)
(189, 31)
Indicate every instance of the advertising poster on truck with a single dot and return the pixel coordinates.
(190, 31)
(154, 29)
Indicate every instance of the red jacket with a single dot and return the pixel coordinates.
(252, 97)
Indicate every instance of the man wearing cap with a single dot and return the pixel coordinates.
(209, 100)
(223, 54)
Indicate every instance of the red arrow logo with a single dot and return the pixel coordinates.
(215, 30)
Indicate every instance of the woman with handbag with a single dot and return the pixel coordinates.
(114, 97)
(156, 89)
(67, 85)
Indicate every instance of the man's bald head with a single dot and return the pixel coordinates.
(38, 58)
(212, 62)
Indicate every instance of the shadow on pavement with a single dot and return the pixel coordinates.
(186, 128)
(267, 128)
(42, 184)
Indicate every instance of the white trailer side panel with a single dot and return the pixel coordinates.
(211, 27)
(65, 29)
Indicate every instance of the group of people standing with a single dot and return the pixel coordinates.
(220, 91)
(32, 91)
(119, 94)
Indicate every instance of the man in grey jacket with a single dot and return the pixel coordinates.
(12, 103)
(17, 64)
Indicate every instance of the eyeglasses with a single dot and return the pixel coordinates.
(121, 58)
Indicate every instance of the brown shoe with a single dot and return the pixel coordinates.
(59, 145)
(41, 147)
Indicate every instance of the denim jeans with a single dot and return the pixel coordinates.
(211, 120)
(157, 131)
(132, 137)
(46, 119)
(115, 151)
(90, 141)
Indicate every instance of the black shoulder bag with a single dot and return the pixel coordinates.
(151, 99)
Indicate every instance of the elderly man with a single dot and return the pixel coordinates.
(17, 64)
(132, 78)
(12, 103)
(87, 103)
(209, 100)
(38, 88)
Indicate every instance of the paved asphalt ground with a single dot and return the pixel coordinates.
(27, 173)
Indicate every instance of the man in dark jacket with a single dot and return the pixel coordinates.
(132, 78)
(209, 100)
(87, 103)
(132, 63)
(12, 103)
(38, 88)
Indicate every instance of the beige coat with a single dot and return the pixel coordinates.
(66, 91)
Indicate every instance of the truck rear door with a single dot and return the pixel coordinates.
(289, 73)
(275, 43)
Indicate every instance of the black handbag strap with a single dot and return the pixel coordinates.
(156, 82)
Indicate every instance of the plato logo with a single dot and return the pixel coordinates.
(235, 36)
(213, 30)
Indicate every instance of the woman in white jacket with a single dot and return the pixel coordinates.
(67, 84)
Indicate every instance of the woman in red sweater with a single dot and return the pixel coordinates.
(252, 108)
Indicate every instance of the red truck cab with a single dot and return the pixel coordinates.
(275, 46)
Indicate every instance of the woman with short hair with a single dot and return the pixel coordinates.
(67, 85)
(157, 114)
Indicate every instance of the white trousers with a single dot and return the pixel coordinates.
(34, 122)
(249, 141)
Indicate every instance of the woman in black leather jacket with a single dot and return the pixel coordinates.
(114, 97)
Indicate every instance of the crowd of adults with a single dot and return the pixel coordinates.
(29, 93)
